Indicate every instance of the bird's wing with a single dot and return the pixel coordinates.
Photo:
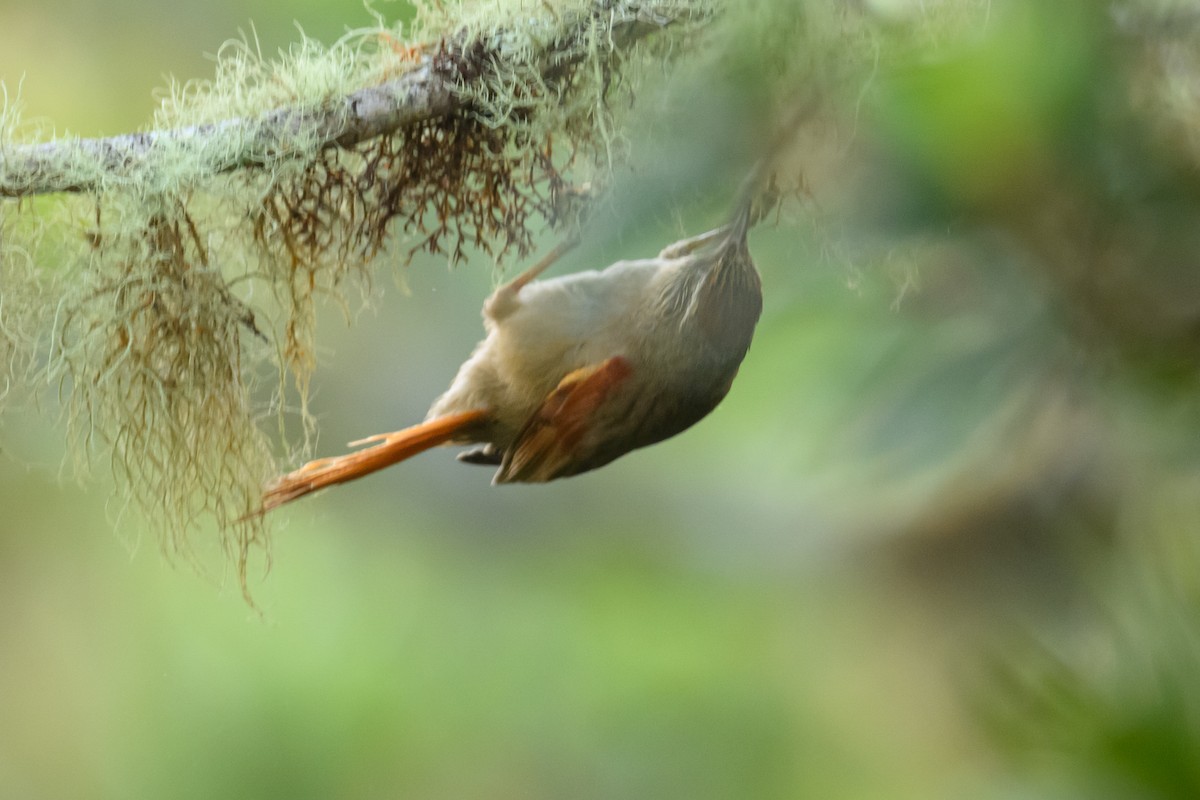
(548, 445)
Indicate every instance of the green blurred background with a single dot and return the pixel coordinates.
(938, 541)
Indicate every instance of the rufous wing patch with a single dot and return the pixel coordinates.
(547, 444)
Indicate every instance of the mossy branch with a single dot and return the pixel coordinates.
(445, 78)
(57, 166)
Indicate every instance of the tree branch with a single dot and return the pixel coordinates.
(432, 90)
(47, 168)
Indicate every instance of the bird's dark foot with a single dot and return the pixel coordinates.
(487, 456)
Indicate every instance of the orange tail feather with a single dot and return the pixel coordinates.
(390, 449)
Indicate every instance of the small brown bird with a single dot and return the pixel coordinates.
(578, 370)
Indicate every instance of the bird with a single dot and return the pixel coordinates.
(577, 370)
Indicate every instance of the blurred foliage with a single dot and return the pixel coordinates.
(940, 541)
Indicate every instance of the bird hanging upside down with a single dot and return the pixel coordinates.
(578, 370)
